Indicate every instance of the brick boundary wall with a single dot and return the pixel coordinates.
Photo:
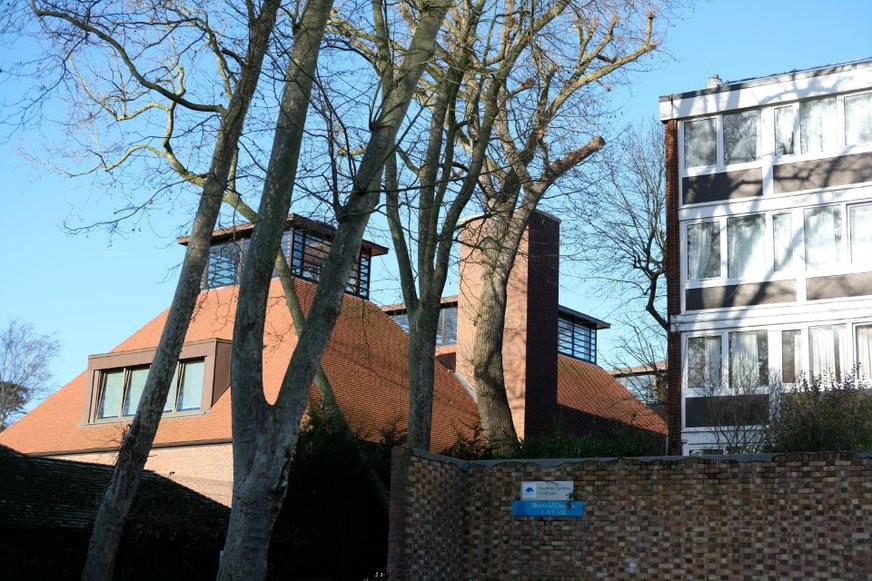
(772, 516)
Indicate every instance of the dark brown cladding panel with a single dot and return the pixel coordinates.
(740, 295)
(721, 187)
(840, 286)
(727, 410)
(822, 173)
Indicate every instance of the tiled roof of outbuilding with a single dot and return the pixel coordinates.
(592, 390)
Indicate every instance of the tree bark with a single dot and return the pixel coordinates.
(118, 497)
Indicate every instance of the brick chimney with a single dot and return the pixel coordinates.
(530, 339)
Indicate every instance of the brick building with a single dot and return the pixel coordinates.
(769, 208)
(365, 361)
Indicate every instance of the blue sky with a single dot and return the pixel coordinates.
(93, 290)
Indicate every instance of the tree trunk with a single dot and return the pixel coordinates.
(422, 346)
(118, 498)
(497, 252)
(487, 360)
(257, 500)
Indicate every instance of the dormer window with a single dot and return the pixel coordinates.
(306, 244)
(118, 381)
(121, 390)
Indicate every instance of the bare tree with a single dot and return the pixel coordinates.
(25, 358)
(539, 110)
(622, 241)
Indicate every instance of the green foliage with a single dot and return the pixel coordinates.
(557, 443)
(822, 415)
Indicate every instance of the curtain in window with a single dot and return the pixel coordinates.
(784, 119)
(744, 241)
(824, 350)
(861, 234)
(700, 142)
(864, 350)
(791, 356)
(748, 360)
(823, 237)
(704, 362)
(817, 125)
(741, 136)
(703, 250)
(783, 240)
(858, 119)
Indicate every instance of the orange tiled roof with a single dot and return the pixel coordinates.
(366, 362)
(592, 390)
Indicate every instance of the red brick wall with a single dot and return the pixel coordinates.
(207, 468)
(673, 279)
(769, 516)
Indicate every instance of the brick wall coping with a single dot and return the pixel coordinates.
(465, 465)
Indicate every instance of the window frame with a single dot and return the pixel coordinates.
(720, 164)
(214, 353)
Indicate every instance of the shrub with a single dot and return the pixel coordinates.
(821, 414)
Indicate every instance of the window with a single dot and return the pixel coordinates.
(741, 137)
(121, 390)
(309, 252)
(825, 355)
(823, 236)
(704, 362)
(791, 355)
(864, 350)
(576, 340)
(858, 119)
(703, 250)
(860, 224)
(401, 319)
(224, 264)
(817, 125)
(744, 243)
(446, 330)
(785, 129)
(783, 241)
(701, 142)
(749, 360)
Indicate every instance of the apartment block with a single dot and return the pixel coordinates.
(769, 221)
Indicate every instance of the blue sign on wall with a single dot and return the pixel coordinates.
(548, 508)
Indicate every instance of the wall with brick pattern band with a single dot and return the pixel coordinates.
(785, 516)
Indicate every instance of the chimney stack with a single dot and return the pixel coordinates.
(530, 337)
